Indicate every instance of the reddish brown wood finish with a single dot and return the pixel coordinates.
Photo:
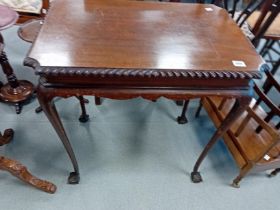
(15, 91)
(127, 49)
(248, 147)
(29, 30)
(20, 171)
(6, 137)
(253, 139)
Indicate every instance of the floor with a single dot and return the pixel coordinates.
(132, 155)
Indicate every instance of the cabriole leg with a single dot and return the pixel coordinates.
(238, 108)
(46, 102)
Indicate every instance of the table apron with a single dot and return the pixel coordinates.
(151, 93)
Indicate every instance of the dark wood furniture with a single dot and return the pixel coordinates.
(127, 49)
(272, 36)
(270, 10)
(21, 172)
(254, 138)
(31, 24)
(15, 91)
(16, 168)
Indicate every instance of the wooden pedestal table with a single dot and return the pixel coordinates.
(15, 91)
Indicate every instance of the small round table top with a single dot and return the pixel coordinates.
(8, 17)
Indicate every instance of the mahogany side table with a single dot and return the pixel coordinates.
(128, 49)
(15, 91)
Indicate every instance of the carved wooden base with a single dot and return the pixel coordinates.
(7, 137)
(18, 95)
(182, 119)
(15, 91)
(21, 172)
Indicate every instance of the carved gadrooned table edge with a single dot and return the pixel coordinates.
(148, 73)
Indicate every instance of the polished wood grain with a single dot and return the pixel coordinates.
(126, 49)
(142, 35)
(8, 17)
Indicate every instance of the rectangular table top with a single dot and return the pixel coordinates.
(142, 35)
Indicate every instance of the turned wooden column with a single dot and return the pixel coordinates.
(16, 92)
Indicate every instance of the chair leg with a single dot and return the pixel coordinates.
(183, 119)
(20, 171)
(274, 172)
(197, 113)
(84, 116)
(242, 173)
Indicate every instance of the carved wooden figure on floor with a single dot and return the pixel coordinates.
(20, 171)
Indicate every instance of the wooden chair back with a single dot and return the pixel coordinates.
(263, 99)
(274, 109)
(269, 11)
(254, 139)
